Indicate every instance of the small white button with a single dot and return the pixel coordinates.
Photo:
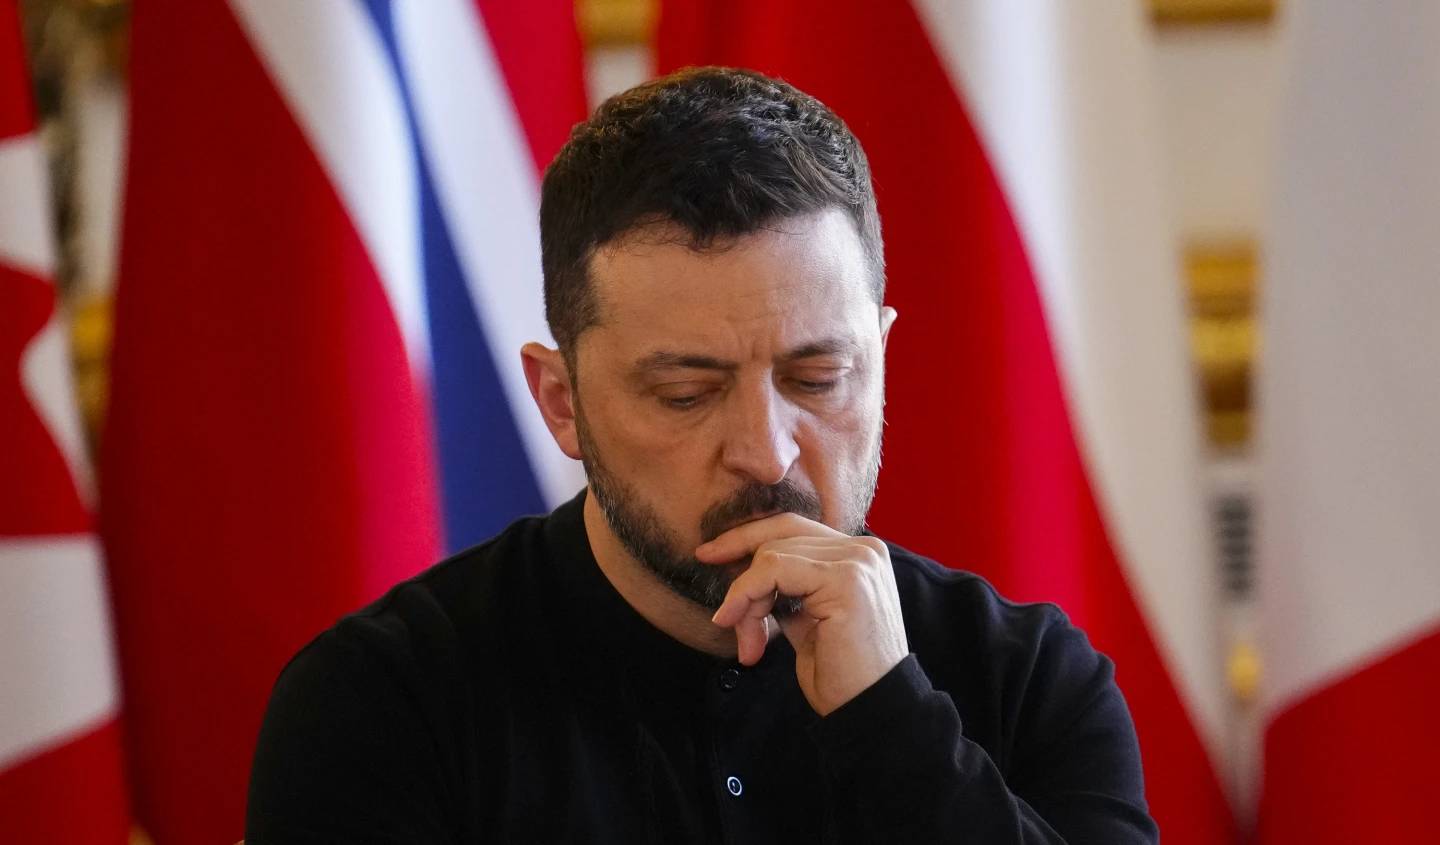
(732, 783)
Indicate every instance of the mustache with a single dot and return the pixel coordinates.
(754, 500)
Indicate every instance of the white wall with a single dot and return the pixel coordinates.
(1217, 87)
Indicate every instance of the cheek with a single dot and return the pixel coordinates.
(643, 423)
(664, 448)
(837, 453)
(664, 461)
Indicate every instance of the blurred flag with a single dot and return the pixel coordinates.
(1041, 406)
(1349, 402)
(329, 262)
(60, 760)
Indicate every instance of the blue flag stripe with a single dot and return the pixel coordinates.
(486, 477)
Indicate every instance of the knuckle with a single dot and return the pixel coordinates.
(874, 544)
(861, 555)
(764, 556)
(771, 549)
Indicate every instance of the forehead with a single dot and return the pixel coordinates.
(795, 281)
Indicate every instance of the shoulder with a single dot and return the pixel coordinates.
(1027, 683)
(365, 727)
(422, 631)
(942, 603)
(363, 720)
(1013, 668)
(458, 602)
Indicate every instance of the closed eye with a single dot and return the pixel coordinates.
(683, 396)
(814, 387)
(680, 403)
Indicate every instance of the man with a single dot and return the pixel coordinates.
(705, 645)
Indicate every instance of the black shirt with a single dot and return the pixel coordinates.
(510, 695)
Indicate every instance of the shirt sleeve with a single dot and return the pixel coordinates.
(898, 753)
(343, 757)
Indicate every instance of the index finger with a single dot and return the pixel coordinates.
(745, 538)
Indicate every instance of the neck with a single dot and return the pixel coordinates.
(679, 618)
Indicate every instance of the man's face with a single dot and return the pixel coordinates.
(723, 386)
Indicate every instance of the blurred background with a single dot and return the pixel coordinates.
(270, 264)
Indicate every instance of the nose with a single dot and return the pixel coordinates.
(760, 435)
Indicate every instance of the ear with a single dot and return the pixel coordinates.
(549, 381)
(888, 316)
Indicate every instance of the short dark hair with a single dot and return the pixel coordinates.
(720, 152)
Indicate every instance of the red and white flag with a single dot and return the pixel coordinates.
(1349, 409)
(1040, 402)
(60, 759)
(329, 261)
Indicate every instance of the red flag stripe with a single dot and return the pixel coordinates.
(267, 458)
(1314, 755)
(538, 49)
(59, 795)
(17, 117)
(988, 473)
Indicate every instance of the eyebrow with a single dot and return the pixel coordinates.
(678, 360)
(829, 346)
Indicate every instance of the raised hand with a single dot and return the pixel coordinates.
(847, 632)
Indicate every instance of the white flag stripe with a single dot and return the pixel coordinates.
(486, 184)
(45, 374)
(1092, 213)
(1350, 383)
(58, 669)
(330, 65)
(25, 241)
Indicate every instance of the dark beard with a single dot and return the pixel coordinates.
(642, 533)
